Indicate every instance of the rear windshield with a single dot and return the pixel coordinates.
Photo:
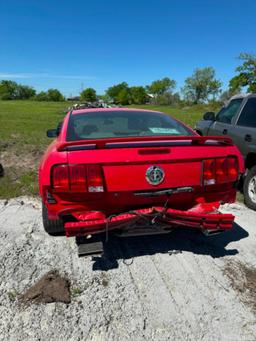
(104, 124)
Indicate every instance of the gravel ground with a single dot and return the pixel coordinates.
(182, 286)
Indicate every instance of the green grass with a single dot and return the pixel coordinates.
(25, 122)
(19, 184)
(23, 126)
(188, 115)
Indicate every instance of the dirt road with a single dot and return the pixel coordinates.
(182, 286)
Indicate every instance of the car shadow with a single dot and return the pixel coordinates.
(179, 240)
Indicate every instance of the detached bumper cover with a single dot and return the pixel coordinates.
(204, 216)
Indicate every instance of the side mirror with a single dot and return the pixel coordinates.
(209, 116)
(51, 133)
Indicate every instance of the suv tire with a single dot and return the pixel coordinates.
(52, 227)
(249, 188)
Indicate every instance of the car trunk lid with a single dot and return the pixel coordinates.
(143, 164)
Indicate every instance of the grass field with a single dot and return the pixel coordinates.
(22, 141)
(23, 126)
(188, 115)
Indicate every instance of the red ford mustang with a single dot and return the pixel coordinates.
(135, 170)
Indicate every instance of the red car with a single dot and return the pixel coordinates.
(135, 171)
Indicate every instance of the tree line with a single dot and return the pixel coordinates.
(201, 87)
(10, 90)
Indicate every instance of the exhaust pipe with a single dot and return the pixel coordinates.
(90, 248)
(209, 233)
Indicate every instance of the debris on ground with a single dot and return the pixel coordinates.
(52, 287)
(243, 280)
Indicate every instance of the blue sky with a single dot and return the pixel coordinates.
(70, 44)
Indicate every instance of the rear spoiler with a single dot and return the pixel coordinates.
(144, 141)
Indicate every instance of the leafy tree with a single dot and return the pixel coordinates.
(169, 99)
(124, 97)
(10, 90)
(53, 95)
(25, 92)
(88, 95)
(104, 97)
(201, 85)
(42, 96)
(138, 95)
(246, 74)
(225, 95)
(114, 91)
(161, 86)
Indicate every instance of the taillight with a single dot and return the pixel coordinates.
(220, 170)
(60, 177)
(209, 172)
(233, 170)
(95, 178)
(78, 178)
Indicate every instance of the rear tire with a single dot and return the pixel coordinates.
(1, 170)
(249, 189)
(52, 227)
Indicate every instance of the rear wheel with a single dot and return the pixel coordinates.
(52, 227)
(250, 188)
(1, 170)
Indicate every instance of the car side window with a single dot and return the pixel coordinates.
(247, 117)
(227, 113)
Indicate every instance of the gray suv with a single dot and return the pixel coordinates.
(237, 119)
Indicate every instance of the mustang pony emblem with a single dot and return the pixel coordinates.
(155, 175)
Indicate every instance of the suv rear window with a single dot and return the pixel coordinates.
(104, 124)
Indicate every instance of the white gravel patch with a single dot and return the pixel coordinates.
(170, 287)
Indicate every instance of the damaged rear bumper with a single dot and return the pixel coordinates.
(203, 216)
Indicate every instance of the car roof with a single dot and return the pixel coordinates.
(243, 95)
(84, 111)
